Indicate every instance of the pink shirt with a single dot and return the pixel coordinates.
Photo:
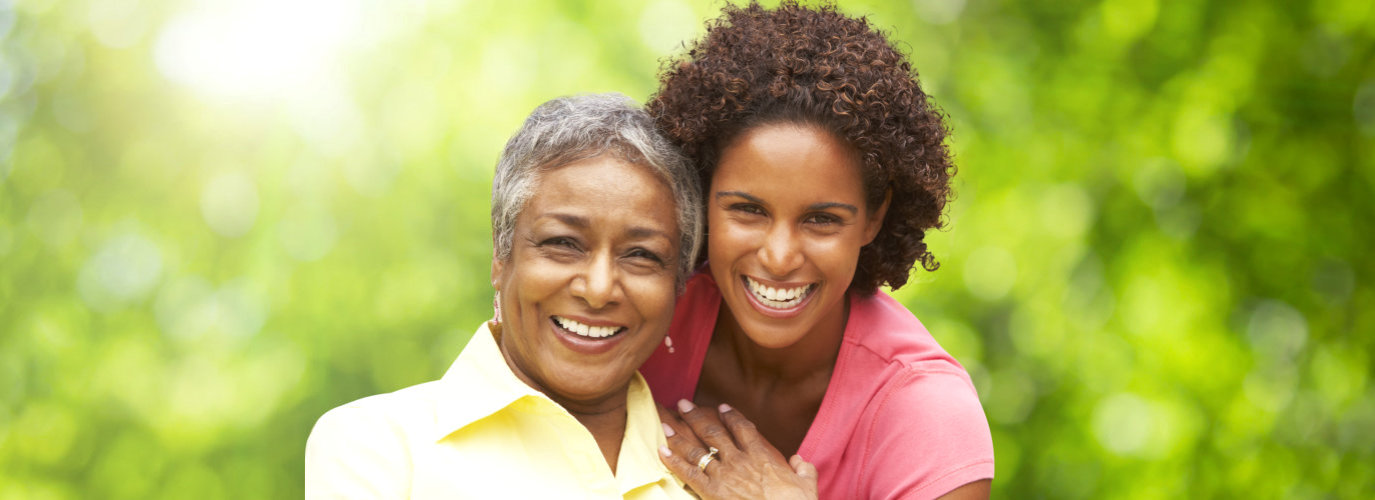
(900, 418)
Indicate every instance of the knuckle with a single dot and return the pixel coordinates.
(695, 475)
(745, 425)
(714, 432)
(696, 418)
(679, 446)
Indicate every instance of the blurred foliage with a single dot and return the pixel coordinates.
(219, 219)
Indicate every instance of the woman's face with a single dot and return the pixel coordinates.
(589, 288)
(787, 217)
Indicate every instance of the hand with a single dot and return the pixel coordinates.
(746, 465)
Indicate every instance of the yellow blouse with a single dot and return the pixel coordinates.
(480, 432)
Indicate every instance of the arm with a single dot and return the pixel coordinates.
(353, 454)
(977, 490)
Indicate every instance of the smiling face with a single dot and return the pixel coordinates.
(787, 218)
(588, 290)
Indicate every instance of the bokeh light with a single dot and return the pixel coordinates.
(219, 219)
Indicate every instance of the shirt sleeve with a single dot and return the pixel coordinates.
(929, 436)
(352, 453)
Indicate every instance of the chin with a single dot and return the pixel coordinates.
(588, 392)
(776, 337)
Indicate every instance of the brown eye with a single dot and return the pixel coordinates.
(560, 242)
(648, 254)
(640, 253)
(822, 219)
(747, 208)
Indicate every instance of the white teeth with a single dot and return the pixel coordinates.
(586, 330)
(778, 298)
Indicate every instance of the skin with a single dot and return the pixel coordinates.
(757, 469)
(786, 208)
(597, 244)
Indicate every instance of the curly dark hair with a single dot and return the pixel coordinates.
(818, 67)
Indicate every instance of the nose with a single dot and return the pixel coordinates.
(598, 285)
(781, 252)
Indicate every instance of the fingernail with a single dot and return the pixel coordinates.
(685, 406)
(663, 450)
(668, 430)
(724, 408)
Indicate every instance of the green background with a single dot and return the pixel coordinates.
(219, 219)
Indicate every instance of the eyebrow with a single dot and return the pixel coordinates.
(642, 233)
(580, 222)
(813, 207)
(576, 221)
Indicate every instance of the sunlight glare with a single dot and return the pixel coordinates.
(257, 48)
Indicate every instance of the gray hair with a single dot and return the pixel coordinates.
(569, 129)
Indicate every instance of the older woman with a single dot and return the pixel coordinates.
(595, 225)
(826, 165)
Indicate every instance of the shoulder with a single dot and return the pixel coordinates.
(882, 327)
(394, 412)
(896, 359)
(926, 434)
(938, 405)
(924, 430)
(363, 448)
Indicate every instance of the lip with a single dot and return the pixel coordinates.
(769, 311)
(587, 345)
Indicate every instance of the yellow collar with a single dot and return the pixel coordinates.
(480, 383)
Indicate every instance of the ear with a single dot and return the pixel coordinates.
(875, 222)
(497, 267)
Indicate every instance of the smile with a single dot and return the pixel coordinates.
(585, 330)
(779, 298)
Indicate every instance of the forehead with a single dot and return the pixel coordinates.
(610, 192)
(800, 160)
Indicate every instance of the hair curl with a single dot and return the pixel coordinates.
(819, 67)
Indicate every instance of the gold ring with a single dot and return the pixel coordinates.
(706, 459)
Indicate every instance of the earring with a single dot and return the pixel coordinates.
(668, 342)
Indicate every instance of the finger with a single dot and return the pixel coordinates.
(681, 439)
(807, 473)
(671, 423)
(707, 425)
(686, 471)
(803, 468)
(664, 414)
(744, 431)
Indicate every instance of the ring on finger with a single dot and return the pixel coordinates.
(706, 459)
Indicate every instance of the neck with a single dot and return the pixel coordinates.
(604, 417)
(814, 355)
(607, 426)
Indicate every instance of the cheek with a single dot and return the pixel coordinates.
(653, 297)
(726, 239)
(837, 257)
(524, 290)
